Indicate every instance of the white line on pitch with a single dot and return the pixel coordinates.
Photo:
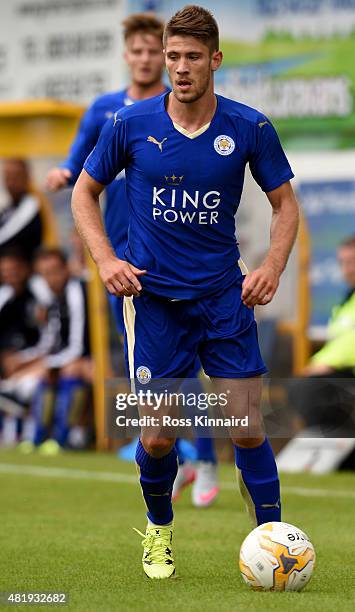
(54, 472)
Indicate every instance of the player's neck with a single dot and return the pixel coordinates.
(140, 92)
(194, 115)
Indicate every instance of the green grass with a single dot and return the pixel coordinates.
(75, 535)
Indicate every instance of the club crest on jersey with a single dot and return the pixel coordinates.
(224, 145)
(143, 374)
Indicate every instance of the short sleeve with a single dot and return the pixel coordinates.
(84, 142)
(268, 162)
(109, 156)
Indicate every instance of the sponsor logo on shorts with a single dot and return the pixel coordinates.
(224, 145)
(143, 374)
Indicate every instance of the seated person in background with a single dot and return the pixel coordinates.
(22, 300)
(67, 368)
(338, 354)
(20, 219)
(323, 402)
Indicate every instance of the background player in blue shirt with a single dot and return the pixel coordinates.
(185, 154)
(143, 34)
(143, 54)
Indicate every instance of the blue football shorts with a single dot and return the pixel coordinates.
(116, 304)
(164, 338)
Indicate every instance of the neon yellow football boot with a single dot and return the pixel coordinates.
(158, 562)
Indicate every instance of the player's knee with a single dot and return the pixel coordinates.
(249, 442)
(158, 447)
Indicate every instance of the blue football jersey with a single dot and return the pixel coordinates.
(184, 192)
(116, 205)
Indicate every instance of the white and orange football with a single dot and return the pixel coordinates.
(277, 557)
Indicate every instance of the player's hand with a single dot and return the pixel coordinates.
(259, 287)
(58, 178)
(120, 278)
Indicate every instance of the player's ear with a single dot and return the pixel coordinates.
(217, 57)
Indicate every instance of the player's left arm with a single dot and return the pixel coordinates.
(259, 287)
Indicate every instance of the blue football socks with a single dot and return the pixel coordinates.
(70, 396)
(259, 482)
(157, 478)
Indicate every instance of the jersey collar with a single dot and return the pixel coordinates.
(183, 131)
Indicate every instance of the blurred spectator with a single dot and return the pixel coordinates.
(20, 219)
(22, 301)
(338, 354)
(54, 366)
(320, 399)
(67, 367)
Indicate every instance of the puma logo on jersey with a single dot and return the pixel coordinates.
(155, 141)
(116, 119)
(263, 123)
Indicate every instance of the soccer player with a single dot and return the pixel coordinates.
(184, 154)
(143, 54)
(143, 34)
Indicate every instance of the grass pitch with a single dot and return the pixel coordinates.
(66, 525)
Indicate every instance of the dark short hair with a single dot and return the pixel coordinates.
(348, 242)
(143, 23)
(49, 252)
(19, 161)
(14, 252)
(194, 21)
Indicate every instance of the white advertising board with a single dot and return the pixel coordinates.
(64, 49)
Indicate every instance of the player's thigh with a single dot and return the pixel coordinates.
(160, 341)
(237, 356)
(243, 402)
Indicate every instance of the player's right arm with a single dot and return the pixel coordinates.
(85, 140)
(104, 163)
(119, 277)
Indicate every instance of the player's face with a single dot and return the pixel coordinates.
(346, 258)
(54, 272)
(144, 56)
(190, 65)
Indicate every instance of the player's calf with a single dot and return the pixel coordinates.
(258, 480)
(157, 475)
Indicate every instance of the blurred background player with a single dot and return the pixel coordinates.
(144, 57)
(20, 218)
(143, 54)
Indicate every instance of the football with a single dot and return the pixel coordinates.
(277, 557)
